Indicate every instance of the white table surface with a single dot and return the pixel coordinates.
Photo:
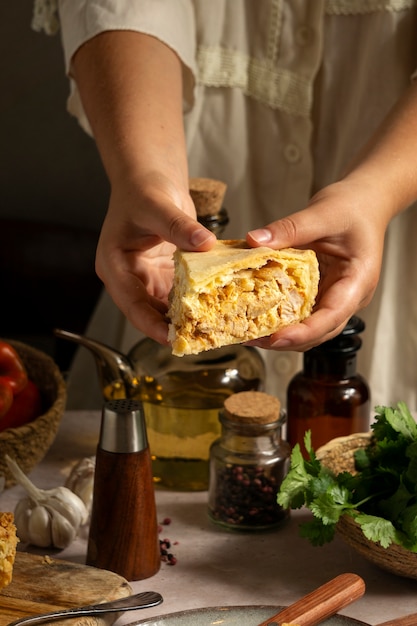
(220, 568)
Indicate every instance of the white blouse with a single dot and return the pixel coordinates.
(278, 97)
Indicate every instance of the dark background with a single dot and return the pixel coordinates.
(53, 192)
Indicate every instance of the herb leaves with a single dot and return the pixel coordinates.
(381, 496)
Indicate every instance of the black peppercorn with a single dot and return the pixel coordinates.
(248, 463)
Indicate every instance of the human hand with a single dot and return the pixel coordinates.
(345, 224)
(131, 88)
(142, 227)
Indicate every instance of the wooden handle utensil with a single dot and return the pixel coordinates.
(321, 603)
(407, 620)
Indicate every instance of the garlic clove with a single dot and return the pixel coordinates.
(70, 513)
(22, 514)
(69, 505)
(63, 532)
(81, 480)
(39, 527)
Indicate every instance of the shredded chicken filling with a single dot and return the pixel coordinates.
(252, 301)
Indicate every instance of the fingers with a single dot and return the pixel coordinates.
(331, 214)
(188, 234)
(164, 215)
(293, 231)
(147, 317)
(321, 326)
(142, 310)
(334, 308)
(348, 237)
(135, 249)
(301, 229)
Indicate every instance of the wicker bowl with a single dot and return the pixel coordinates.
(29, 443)
(338, 455)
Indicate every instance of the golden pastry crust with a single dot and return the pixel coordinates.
(8, 543)
(234, 293)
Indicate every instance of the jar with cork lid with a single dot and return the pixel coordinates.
(248, 463)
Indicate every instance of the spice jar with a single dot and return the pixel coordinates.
(328, 396)
(248, 463)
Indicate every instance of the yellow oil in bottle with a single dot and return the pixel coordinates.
(179, 439)
(181, 409)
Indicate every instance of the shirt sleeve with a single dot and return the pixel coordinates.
(171, 22)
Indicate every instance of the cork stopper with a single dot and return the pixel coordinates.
(252, 407)
(207, 195)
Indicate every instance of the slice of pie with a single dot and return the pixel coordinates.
(8, 543)
(234, 293)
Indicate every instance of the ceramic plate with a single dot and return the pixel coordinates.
(232, 616)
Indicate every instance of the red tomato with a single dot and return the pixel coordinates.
(6, 397)
(27, 405)
(12, 370)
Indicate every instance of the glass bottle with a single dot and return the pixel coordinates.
(328, 396)
(248, 463)
(182, 396)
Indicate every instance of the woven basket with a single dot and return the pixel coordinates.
(338, 455)
(29, 443)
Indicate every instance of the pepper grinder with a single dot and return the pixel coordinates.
(123, 534)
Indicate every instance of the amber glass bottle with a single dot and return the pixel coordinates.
(328, 396)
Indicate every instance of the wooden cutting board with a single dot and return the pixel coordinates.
(42, 584)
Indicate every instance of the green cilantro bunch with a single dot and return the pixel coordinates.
(381, 496)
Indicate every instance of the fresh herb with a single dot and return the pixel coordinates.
(381, 496)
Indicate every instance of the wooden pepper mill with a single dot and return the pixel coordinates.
(124, 530)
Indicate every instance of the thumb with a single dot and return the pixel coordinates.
(182, 230)
(196, 237)
(297, 230)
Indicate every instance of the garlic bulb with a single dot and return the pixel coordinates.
(81, 480)
(47, 517)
